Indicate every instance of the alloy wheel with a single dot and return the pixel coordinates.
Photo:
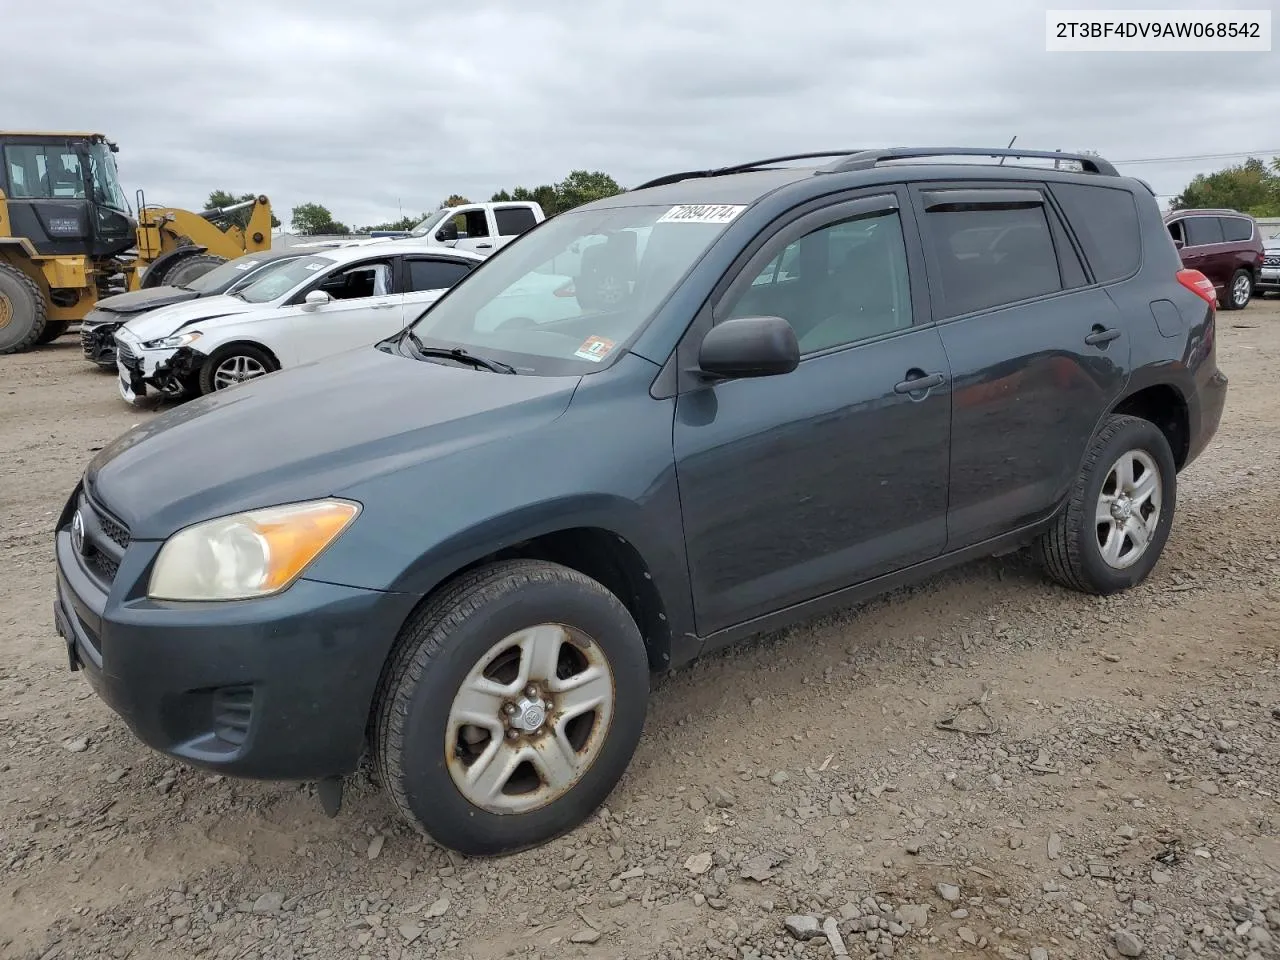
(236, 369)
(529, 719)
(1128, 509)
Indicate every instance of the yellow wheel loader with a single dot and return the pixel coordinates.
(68, 236)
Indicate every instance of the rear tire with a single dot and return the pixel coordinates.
(1239, 291)
(53, 329)
(191, 268)
(1110, 535)
(23, 311)
(235, 363)
(486, 770)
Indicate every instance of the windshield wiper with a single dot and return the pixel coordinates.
(458, 354)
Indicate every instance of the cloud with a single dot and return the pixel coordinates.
(379, 106)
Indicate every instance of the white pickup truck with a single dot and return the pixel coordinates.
(479, 227)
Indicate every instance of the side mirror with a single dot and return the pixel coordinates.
(1178, 244)
(448, 233)
(316, 298)
(749, 347)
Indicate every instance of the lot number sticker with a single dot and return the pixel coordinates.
(702, 213)
(594, 349)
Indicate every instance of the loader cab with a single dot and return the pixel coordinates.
(63, 194)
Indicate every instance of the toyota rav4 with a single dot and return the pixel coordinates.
(463, 550)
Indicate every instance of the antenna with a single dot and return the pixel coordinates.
(1015, 137)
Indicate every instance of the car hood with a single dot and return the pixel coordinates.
(169, 320)
(308, 432)
(138, 301)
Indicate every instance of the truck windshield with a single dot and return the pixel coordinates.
(567, 296)
(430, 224)
(105, 177)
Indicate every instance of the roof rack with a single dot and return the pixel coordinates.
(744, 167)
(868, 159)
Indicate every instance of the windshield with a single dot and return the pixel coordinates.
(565, 296)
(429, 224)
(226, 275)
(276, 283)
(106, 179)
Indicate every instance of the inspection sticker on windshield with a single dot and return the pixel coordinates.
(594, 349)
(247, 266)
(702, 213)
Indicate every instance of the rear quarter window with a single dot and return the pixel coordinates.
(1105, 221)
(1236, 229)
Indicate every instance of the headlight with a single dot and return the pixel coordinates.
(249, 554)
(177, 340)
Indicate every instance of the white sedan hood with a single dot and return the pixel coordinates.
(169, 320)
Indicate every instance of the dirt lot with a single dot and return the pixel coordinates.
(1128, 803)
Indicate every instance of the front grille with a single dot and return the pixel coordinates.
(127, 358)
(104, 566)
(97, 341)
(232, 711)
(112, 527)
(105, 540)
(1271, 261)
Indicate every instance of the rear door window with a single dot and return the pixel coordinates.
(513, 221)
(1105, 221)
(1236, 229)
(988, 256)
(1202, 230)
(434, 274)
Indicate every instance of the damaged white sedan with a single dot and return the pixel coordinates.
(306, 309)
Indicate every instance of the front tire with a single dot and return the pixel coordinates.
(191, 268)
(233, 364)
(1239, 291)
(465, 742)
(23, 311)
(1110, 535)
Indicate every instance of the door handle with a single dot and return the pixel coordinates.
(1101, 335)
(381, 306)
(484, 246)
(918, 380)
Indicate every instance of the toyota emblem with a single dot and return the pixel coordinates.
(77, 532)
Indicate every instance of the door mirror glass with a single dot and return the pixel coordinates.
(749, 347)
(317, 298)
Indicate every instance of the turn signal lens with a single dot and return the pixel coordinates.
(247, 555)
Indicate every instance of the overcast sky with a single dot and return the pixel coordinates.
(382, 106)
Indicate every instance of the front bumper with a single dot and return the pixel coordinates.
(97, 338)
(278, 688)
(1268, 279)
(168, 372)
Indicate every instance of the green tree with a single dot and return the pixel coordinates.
(404, 223)
(1250, 187)
(582, 186)
(310, 219)
(222, 198)
(454, 200)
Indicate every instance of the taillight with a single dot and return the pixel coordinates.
(1200, 285)
(565, 290)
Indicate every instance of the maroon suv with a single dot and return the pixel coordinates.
(1225, 246)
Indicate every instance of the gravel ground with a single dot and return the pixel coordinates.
(791, 798)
